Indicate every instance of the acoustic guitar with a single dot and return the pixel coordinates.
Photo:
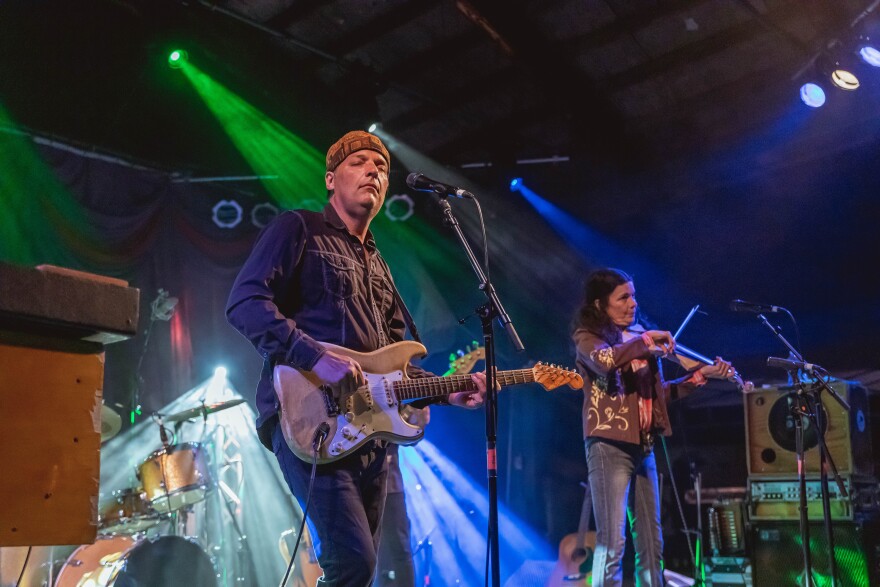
(575, 562)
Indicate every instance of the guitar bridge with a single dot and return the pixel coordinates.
(330, 403)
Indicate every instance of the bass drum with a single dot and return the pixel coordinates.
(120, 561)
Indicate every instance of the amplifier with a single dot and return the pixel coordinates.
(779, 498)
(770, 432)
(778, 558)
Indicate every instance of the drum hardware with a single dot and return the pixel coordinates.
(160, 514)
(203, 410)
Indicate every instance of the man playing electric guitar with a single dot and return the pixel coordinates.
(318, 276)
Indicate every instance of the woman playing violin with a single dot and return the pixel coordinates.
(624, 410)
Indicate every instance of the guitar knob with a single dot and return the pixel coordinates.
(349, 416)
(348, 433)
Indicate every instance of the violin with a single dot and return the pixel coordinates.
(691, 359)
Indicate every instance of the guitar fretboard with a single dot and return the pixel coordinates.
(410, 389)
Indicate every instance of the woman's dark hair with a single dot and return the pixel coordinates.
(598, 287)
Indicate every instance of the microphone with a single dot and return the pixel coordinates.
(320, 436)
(744, 306)
(790, 364)
(421, 183)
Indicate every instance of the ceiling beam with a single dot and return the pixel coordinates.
(298, 10)
(745, 32)
(379, 26)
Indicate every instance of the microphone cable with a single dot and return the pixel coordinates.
(320, 436)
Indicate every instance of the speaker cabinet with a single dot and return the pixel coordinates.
(770, 432)
(778, 558)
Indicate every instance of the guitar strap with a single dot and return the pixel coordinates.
(407, 317)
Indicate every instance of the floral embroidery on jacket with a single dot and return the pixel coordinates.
(610, 417)
(603, 357)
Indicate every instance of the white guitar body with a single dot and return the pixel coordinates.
(375, 409)
(372, 412)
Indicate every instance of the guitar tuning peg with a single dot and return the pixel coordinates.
(451, 357)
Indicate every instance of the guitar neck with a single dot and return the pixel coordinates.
(412, 389)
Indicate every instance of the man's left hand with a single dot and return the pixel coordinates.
(471, 400)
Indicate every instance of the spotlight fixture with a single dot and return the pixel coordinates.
(813, 95)
(220, 372)
(516, 184)
(177, 58)
(870, 55)
(373, 127)
(844, 79)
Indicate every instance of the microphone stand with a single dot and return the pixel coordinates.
(800, 407)
(699, 561)
(487, 312)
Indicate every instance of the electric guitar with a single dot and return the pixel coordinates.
(309, 406)
(463, 362)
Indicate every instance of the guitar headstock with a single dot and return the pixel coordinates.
(553, 376)
(462, 362)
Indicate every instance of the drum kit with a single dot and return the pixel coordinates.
(146, 533)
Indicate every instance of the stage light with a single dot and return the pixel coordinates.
(177, 58)
(844, 79)
(812, 95)
(220, 372)
(516, 184)
(373, 127)
(870, 55)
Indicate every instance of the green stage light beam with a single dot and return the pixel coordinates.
(41, 222)
(272, 150)
(269, 148)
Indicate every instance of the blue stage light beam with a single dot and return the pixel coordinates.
(448, 508)
(596, 249)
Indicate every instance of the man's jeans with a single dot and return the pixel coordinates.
(345, 514)
(623, 481)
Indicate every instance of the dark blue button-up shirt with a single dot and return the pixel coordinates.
(308, 279)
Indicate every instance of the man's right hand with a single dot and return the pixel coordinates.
(343, 374)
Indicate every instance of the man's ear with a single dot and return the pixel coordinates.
(329, 179)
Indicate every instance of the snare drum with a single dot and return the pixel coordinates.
(129, 512)
(120, 561)
(175, 476)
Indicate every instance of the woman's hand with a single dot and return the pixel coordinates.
(721, 369)
(662, 342)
